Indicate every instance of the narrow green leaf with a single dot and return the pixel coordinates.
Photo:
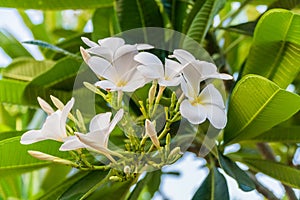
(25, 69)
(105, 23)
(11, 45)
(256, 105)
(285, 174)
(197, 27)
(244, 28)
(214, 187)
(10, 134)
(55, 4)
(15, 159)
(275, 51)
(285, 4)
(231, 168)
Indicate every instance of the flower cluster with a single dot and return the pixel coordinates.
(123, 68)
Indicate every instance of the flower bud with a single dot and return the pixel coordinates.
(57, 102)
(115, 178)
(45, 106)
(127, 170)
(151, 132)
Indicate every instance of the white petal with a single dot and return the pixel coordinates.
(45, 106)
(125, 63)
(187, 89)
(95, 140)
(64, 115)
(89, 42)
(99, 65)
(151, 71)
(183, 56)
(32, 136)
(210, 95)
(172, 68)
(118, 116)
(146, 58)
(71, 143)
(100, 121)
(216, 116)
(106, 85)
(194, 114)
(125, 49)
(192, 76)
(112, 42)
(144, 46)
(103, 52)
(220, 76)
(135, 81)
(51, 129)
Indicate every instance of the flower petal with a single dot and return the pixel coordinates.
(210, 95)
(95, 140)
(216, 116)
(151, 71)
(112, 42)
(100, 121)
(103, 52)
(183, 56)
(106, 85)
(32, 136)
(64, 114)
(146, 58)
(137, 80)
(72, 143)
(118, 116)
(45, 106)
(144, 46)
(89, 42)
(169, 83)
(172, 68)
(194, 114)
(99, 66)
(192, 76)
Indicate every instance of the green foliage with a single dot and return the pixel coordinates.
(256, 105)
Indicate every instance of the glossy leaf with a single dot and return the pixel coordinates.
(214, 187)
(105, 23)
(276, 45)
(55, 4)
(285, 174)
(231, 168)
(280, 134)
(204, 12)
(256, 105)
(22, 161)
(285, 4)
(25, 69)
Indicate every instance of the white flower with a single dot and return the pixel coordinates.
(54, 127)
(201, 69)
(208, 104)
(113, 61)
(153, 68)
(97, 139)
(151, 132)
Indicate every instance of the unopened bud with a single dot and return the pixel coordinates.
(174, 153)
(115, 178)
(85, 55)
(127, 170)
(151, 132)
(41, 155)
(168, 139)
(57, 102)
(152, 92)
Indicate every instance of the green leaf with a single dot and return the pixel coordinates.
(55, 4)
(285, 4)
(244, 28)
(280, 134)
(179, 13)
(105, 23)
(214, 187)
(150, 183)
(10, 134)
(25, 69)
(138, 13)
(15, 159)
(200, 19)
(275, 51)
(6, 94)
(11, 45)
(231, 168)
(285, 174)
(256, 105)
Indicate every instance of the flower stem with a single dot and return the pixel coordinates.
(158, 97)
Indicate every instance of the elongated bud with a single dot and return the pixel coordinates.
(115, 178)
(152, 92)
(85, 55)
(174, 153)
(168, 139)
(41, 155)
(45, 106)
(151, 132)
(57, 102)
(127, 170)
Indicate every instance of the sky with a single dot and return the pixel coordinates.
(175, 188)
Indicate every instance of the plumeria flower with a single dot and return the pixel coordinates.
(113, 60)
(208, 104)
(202, 69)
(97, 139)
(54, 127)
(151, 132)
(153, 68)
